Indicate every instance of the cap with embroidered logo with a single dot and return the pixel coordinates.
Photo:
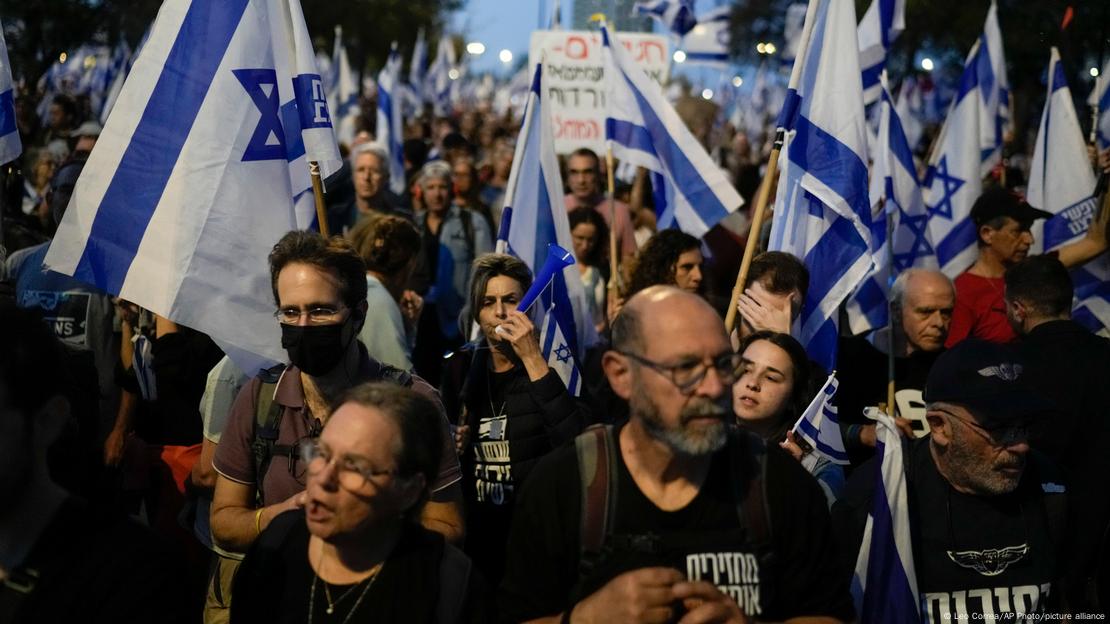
(987, 378)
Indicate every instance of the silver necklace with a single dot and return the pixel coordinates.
(331, 605)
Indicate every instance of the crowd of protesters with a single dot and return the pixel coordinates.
(404, 466)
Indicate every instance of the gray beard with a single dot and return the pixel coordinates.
(968, 469)
(679, 439)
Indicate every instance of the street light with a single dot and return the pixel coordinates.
(1094, 72)
(761, 47)
(453, 74)
(506, 56)
(927, 64)
(770, 48)
(475, 48)
(707, 94)
(679, 56)
(737, 82)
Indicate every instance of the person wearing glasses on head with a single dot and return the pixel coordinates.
(355, 552)
(677, 514)
(986, 512)
(319, 286)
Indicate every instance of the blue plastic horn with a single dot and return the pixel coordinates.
(557, 260)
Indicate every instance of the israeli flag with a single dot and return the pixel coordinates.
(1099, 99)
(344, 96)
(645, 131)
(10, 145)
(953, 179)
(895, 195)
(910, 110)
(994, 115)
(820, 427)
(884, 586)
(880, 26)
(191, 183)
(708, 42)
(418, 65)
(822, 211)
(390, 128)
(677, 16)
(1061, 182)
(438, 81)
(532, 219)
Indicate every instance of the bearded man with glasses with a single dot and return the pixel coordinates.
(693, 518)
(319, 287)
(986, 512)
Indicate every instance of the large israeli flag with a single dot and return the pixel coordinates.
(880, 26)
(953, 179)
(895, 196)
(884, 586)
(344, 96)
(822, 211)
(190, 183)
(10, 145)
(645, 131)
(820, 427)
(390, 128)
(438, 81)
(994, 114)
(534, 218)
(677, 16)
(418, 64)
(1061, 182)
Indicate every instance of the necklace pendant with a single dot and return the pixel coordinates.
(329, 610)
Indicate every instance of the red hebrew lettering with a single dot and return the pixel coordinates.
(577, 48)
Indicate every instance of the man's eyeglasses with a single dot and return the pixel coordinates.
(1000, 436)
(353, 472)
(686, 375)
(320, 315)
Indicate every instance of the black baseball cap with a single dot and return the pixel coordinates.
(990, 379)
(998, 202)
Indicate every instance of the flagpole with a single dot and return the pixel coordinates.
(756, 229)
(614, 275)
(891, 308)
(318, 195)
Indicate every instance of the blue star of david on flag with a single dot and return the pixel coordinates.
(563, 353)
(268, 140)
(919, 242)
(950, 184)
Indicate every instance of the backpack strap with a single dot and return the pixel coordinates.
(454, 580)
(267, 424)
(468, 230)
(748, 455)
(396, 375)
(597, 469)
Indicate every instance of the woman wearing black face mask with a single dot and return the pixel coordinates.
(320, 288)
(511, 407)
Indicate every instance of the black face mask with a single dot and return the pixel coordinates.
(315, 349)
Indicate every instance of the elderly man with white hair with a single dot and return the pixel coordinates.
(451, 238)
(369, 166)
(923, 300)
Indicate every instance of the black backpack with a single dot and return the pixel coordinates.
(267, 426)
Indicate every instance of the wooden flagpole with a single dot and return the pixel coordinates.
(770, 174)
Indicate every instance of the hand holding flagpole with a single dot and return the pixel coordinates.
(790, 107)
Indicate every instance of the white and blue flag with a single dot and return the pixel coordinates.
(534, 218)
(994, 114)
(708, 42)
(438, 80)
(895, 195)
(880, 26)
(820, 427)
(677, 16)
(954, 177)
(390, 128)
(10, 145)
(822, 211)
(1061, 182)
(884, 586)
(646, 131)
(191, 184)
(344, 96)
(418, 65)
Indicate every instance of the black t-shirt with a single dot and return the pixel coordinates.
(275, 581)
(93, 565)
(976, 558)
(703, 540)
